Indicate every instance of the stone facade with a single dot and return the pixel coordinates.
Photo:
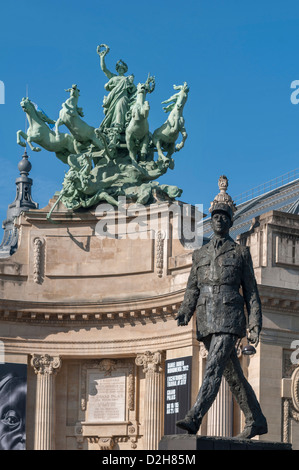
(273, 243)
(92, 314)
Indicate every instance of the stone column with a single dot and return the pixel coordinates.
(153, 400)
(45, 367)
(220, 415)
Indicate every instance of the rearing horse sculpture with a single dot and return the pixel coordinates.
(40, 133)
(137, 132)
(70, 115)
(164, 137)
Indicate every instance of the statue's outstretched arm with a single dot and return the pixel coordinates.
(102, 53)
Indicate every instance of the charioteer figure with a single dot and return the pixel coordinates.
(219, 269)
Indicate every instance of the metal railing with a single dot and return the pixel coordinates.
(266, 187)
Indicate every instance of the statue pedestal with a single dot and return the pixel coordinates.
(192, 442)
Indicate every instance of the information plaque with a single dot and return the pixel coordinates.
(106, 397)
(177, 392)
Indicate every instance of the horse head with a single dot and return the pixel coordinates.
(140, 88)
(178, 100)
(34, 112)
(182, 95)
(27, 106)
(74, 91)
(147, 87)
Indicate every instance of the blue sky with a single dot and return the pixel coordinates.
(239, 59)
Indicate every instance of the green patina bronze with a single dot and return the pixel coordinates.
(120, 157)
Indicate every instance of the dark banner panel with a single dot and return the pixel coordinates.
(177, 392)
(13, 394)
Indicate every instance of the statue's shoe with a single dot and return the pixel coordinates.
(254, 429)
(188, 424)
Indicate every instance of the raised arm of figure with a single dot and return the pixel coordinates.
(102, 51)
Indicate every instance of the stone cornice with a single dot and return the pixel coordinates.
(279, 299)
(277, 337)
(65, 215)
(144, 309)
(59, 313)
(128, 345)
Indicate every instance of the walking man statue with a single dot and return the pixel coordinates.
(219, 269)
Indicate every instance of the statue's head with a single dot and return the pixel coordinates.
(121, 67)
(221, 222)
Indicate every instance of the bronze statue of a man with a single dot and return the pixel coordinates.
(219, 269)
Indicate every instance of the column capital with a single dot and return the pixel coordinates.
(151, 362)
(45, 364)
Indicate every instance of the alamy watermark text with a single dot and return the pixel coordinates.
(2, 92)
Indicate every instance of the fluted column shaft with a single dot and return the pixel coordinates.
(153, 400)
(221, 412)
(45, 367)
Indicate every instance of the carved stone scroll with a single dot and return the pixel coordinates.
(160, 235)
(38, 263)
